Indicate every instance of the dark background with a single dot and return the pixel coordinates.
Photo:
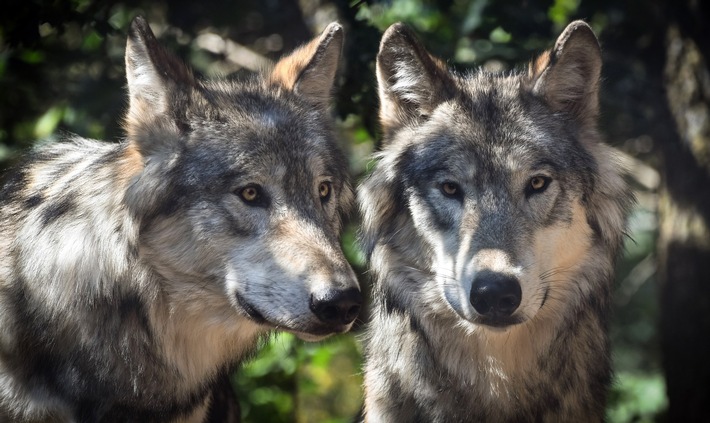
(61, 70)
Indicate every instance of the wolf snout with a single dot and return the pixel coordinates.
(335, 306)
(495, 295)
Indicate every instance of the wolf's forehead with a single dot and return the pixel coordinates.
(253, 149)
(467, 137)
(252, 104)
(270, 115)
(487, 162)
(498, 121)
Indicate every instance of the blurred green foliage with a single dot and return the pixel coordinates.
(294, 381)
(61, 70)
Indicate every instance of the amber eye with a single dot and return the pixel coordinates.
(538, 184)
(250, 194)
(450, 189)
(324, 190)
(253, 195)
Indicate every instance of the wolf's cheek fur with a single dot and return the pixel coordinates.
(436, 219)
(439, 226)
(560, 251)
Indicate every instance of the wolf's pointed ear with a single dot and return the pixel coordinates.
(155, 79)
(310, 70)
(568, 75)
(411, 82)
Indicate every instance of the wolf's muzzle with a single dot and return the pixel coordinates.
(495, 295)
(336, 307)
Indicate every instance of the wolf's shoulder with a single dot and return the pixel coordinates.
(69, 147)
(54, 166)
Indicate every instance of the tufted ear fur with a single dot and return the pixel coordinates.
(310, 70)
(159, 85)
(411, 81)
(568, 75)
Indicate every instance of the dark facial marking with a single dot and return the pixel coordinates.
(55, 210)
(32, 201)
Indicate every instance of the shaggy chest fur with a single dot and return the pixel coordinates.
(441, 370)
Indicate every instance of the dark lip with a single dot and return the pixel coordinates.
(544, 296)
(498, 323)
(256, 316)
(251, 312)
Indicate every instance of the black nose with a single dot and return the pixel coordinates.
(336, 307)
(495, 294)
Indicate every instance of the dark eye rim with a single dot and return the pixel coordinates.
(260, 200)
(325, 198)
(529, 190)
(458, 194)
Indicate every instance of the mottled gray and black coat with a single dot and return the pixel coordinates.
(492, 222)
(134, 276)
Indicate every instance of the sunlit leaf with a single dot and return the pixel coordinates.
(499, 35)
(561, 10)
(48, 122)
(92, 41)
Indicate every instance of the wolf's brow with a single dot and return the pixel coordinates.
(546, 163)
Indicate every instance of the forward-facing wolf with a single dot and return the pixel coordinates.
(134, 276)
(491, 222)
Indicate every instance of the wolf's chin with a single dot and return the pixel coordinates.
(316, 333)
(309, 337)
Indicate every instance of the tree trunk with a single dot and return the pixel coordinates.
(684, 208)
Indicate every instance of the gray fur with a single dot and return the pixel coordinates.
(135, 276)
(431, 356)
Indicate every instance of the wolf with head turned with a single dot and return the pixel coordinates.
(492, 222)
(135, 276)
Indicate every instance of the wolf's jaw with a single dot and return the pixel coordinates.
(308, 337)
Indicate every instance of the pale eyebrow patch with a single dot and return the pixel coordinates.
(320, 169)
(546, 164)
